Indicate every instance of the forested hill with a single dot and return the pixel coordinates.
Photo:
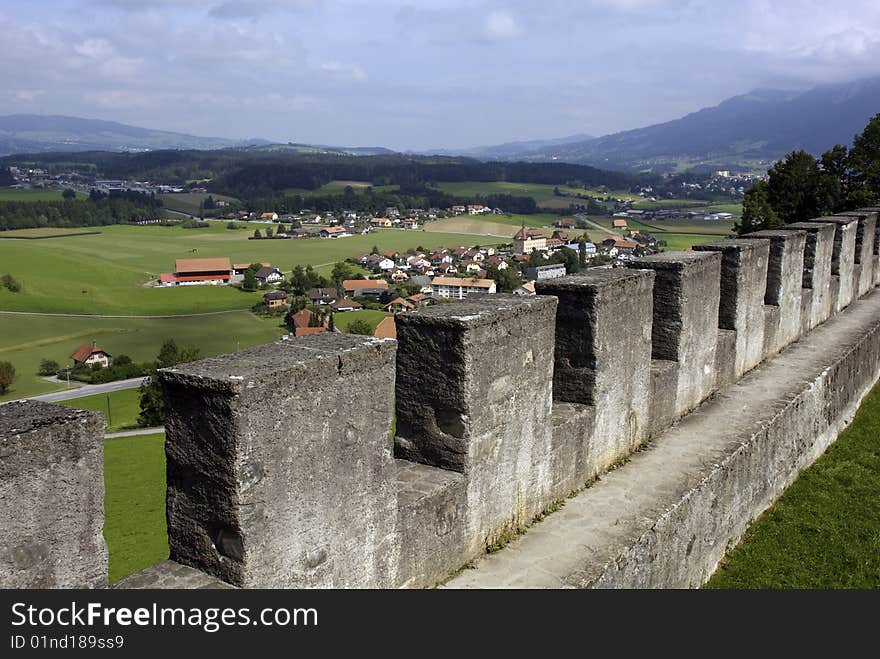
(246, 174)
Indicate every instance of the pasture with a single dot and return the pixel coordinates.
(26, 340)
(370, 316)
(188, 202)
(134, 503)
(120, 408)
(112, 273)
(15, 194)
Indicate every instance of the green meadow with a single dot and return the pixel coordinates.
(112, 273)
(824, 532)
(134, 503)
(14, 194)
(26, 340)
(120, 408)
(188, 202)
(370, 316)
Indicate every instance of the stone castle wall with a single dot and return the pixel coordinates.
(341, 461)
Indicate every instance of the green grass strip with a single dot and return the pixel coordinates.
(825, 530)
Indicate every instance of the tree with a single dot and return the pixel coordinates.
(268, 232)
(864, 160)
(331, 325)
(360, 327)
(68, 194)
(249, 283)
(375, 250)
(257, 234)
(48, 367)
(795, 188)
(6, 177)
(582, 252)
(232, 225)
(151, 403)
(758, 212)
(8, 282)
(506, 281)
(341, 271)
(7, 375)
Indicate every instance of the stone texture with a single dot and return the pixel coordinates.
(280, 467)
(666, 518)
(474, 395)
(603, 353)
(743, 281)
(685, 325)
(818, 252)
(431, 516)
(168, 575)
(784, 282)
(864, 254)
(842, 259)
(51, 497)
(876, 211)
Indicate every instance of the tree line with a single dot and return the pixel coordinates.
(98, 210)
(801, 187)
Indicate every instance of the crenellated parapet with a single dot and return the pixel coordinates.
(343, 461)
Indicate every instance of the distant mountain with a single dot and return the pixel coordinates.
(29, 133)
(292, 147)
(753, 129)
(522, 150)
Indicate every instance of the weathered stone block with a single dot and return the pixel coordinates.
(818, 252)
(431, 517)
(280, 467)
(743, 282)
(876, 211)
(475, 395)
(864, 254)
(785, 274)
(603, 353)
(685, 325)
(51, 497)
(842, 259)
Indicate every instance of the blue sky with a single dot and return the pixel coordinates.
(415, 75)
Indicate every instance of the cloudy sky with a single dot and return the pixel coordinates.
(419, 73)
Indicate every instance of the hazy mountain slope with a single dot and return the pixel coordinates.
(27, 133)
(762, 125)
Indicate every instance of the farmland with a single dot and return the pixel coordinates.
(26, 340)
(370, 316)
(14, 194)
(120, 408)
(134, 503)
(111, 273)
(188, 202)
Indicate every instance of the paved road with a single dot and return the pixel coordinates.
(134, 433)
(89, 390)
(598, 226)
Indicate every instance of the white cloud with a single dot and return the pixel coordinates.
(501, 25)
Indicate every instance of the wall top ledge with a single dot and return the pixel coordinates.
(777, 234)
(474, 312)
(594, 278)
(235, 371)
(836, 219)
(809, 227)
(25, 416)
(676, 260)
(733, 245)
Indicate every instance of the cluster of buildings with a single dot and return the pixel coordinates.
(216, 272)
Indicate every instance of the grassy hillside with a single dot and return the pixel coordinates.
(111, 273)
(14, 194)
(26, 340)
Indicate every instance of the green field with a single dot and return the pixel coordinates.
(825, 530)
(343, 320)
(14, 194)
(134, 503)
(120, 408)
(111, 273)
(188, 202)
(676, 242)
(338, 187)
(26, 340)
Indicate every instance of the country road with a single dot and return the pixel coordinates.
(88, 390)
(598, 226)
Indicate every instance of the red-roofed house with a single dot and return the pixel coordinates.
(89, 354)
